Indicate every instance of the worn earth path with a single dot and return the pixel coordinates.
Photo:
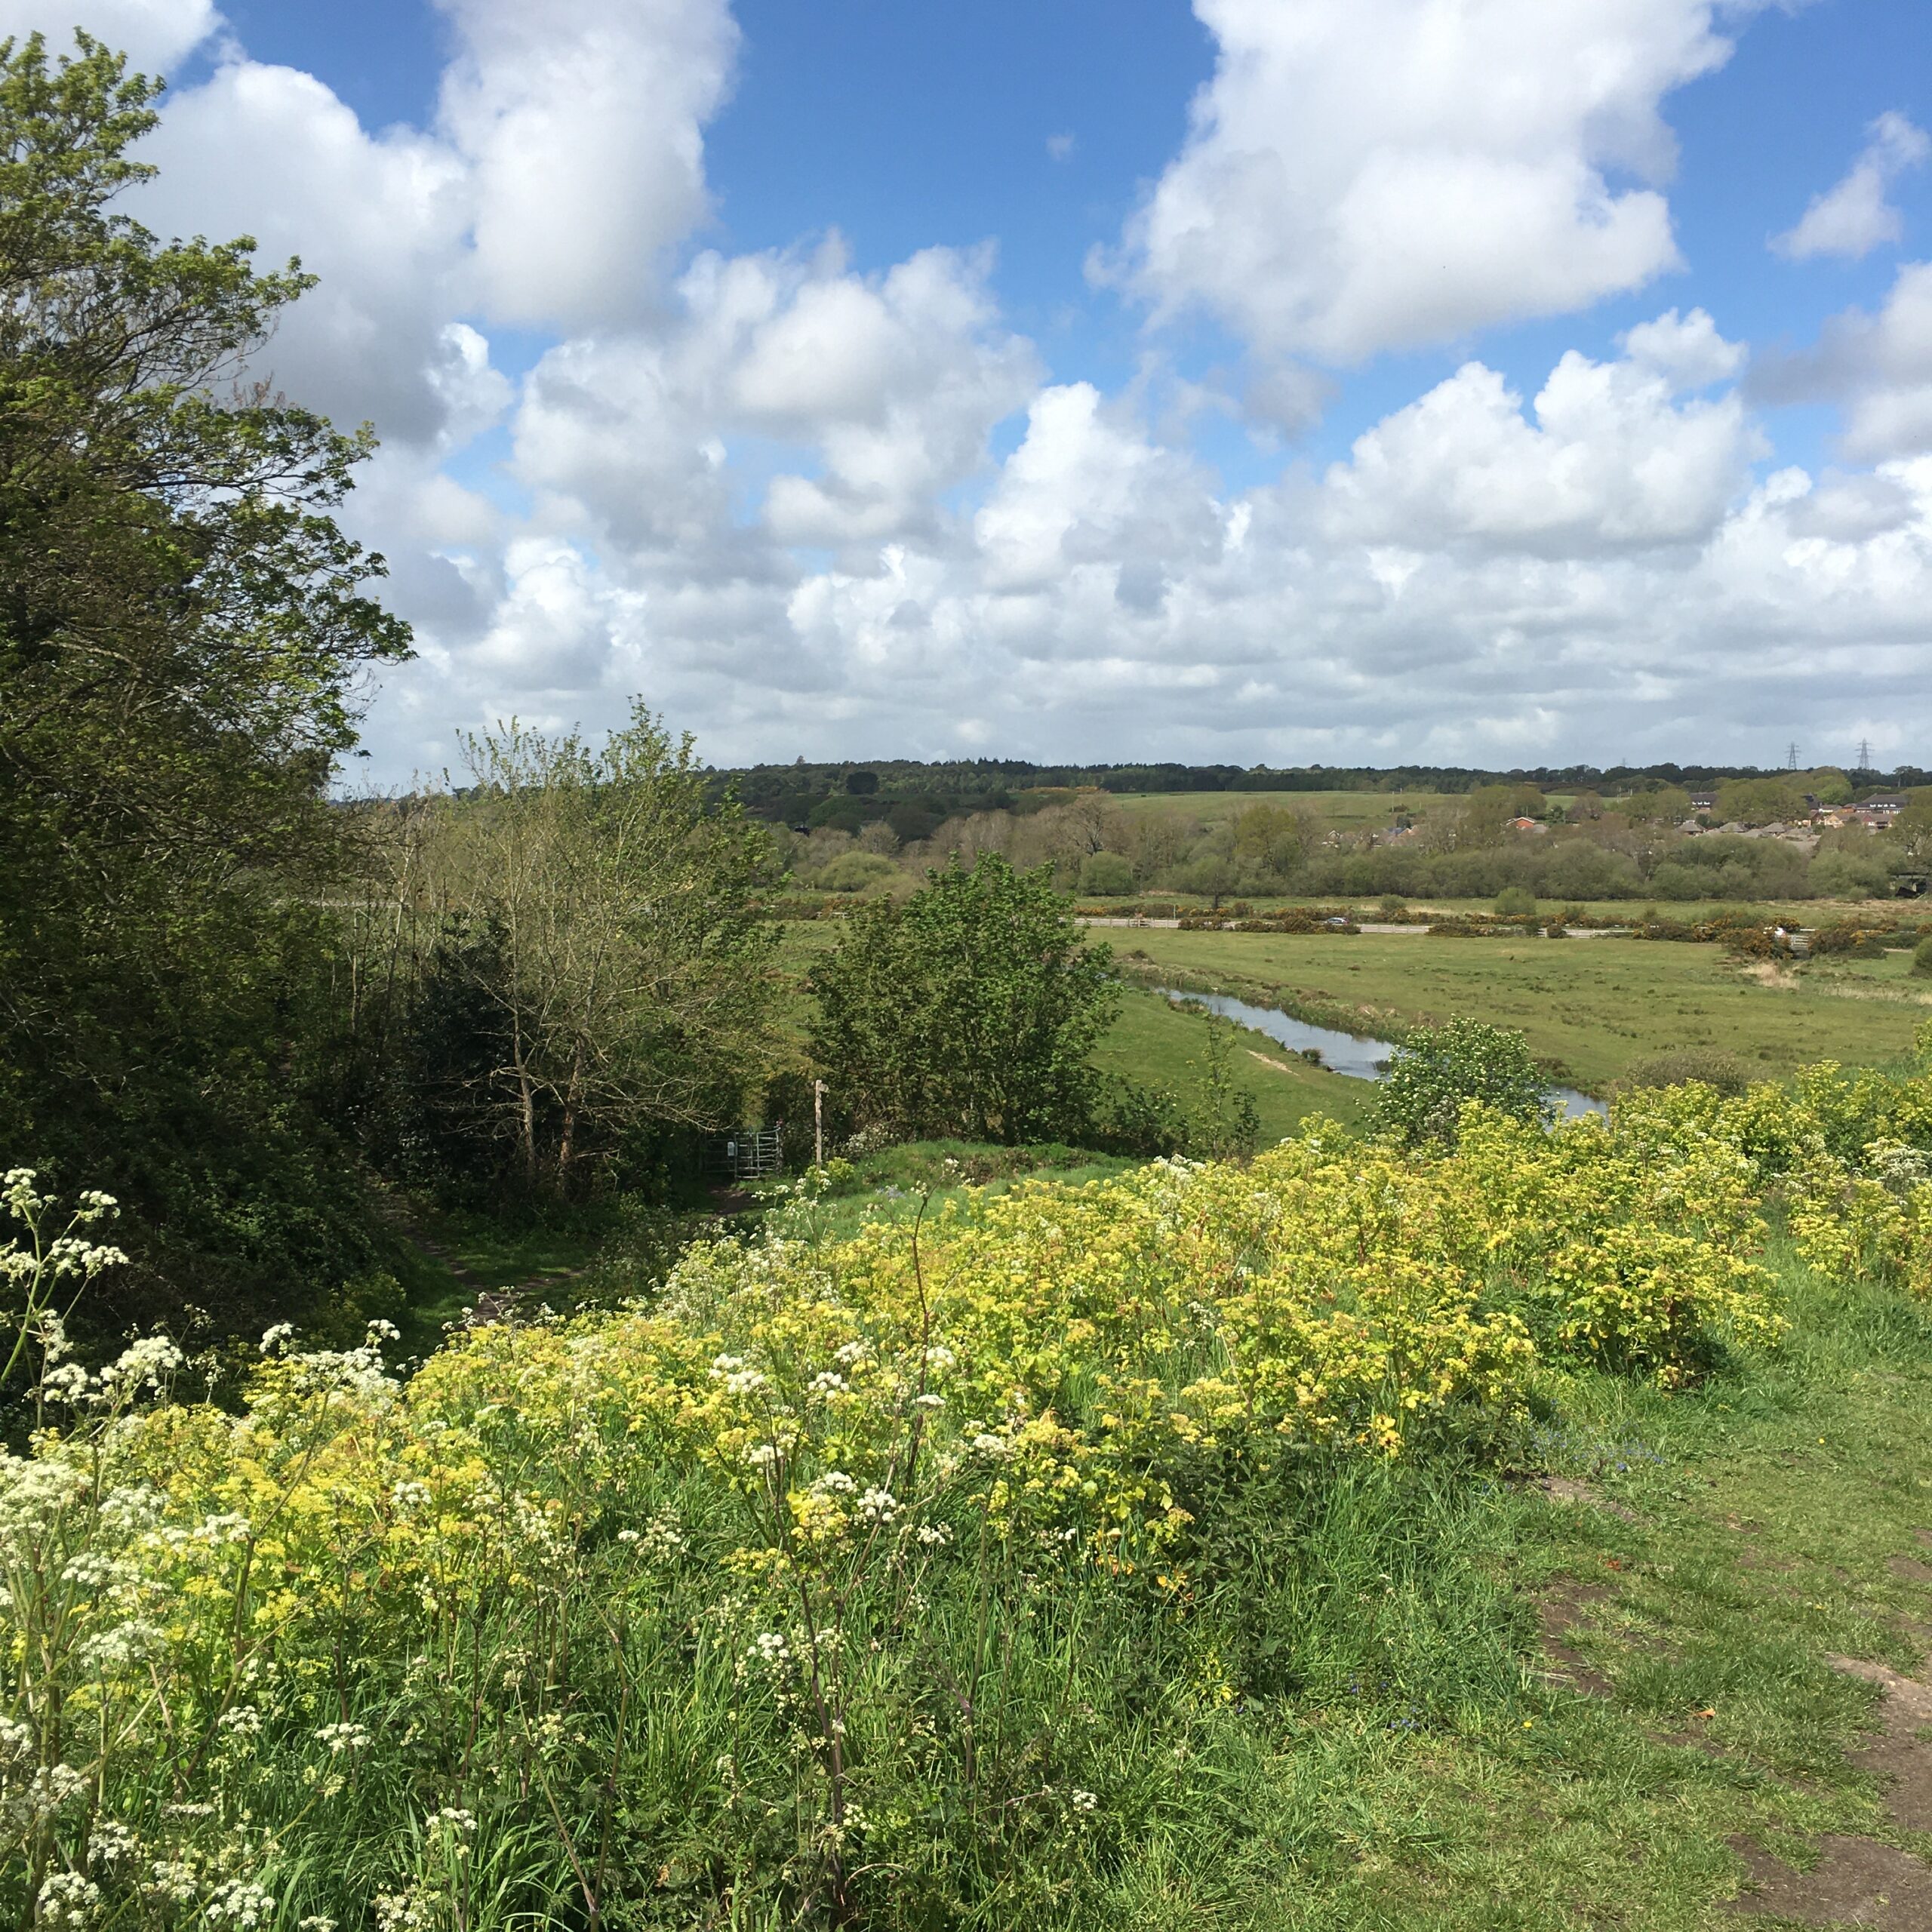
(1603, 1638)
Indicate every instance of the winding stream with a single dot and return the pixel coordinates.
(1342, 1052)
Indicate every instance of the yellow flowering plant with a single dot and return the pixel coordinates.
(773, 1587)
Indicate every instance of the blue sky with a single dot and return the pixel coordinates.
(869, 376)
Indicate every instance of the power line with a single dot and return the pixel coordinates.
(1790, 756)
(1865, 753)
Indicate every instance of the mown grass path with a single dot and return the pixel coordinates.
(1724, 1606)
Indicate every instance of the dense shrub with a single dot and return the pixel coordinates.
(1436, 1070)
(705, 1580)
(1107, 875)
(1921, 958)
(857, 872)
(667, 1615)
(1723, 1073)
(971, 1009)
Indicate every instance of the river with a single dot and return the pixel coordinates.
(1343, 1053)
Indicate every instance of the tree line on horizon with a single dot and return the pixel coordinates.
(1473, 844)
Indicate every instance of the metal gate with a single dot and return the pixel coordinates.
(753, 1153)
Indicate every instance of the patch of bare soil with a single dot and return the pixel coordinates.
(1900, 1756)
(1855, 1882)
(1567, 1489)
(1567, 1608)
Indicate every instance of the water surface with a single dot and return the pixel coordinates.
(1343, 1053)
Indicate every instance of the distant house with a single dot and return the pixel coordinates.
(1886, 805)
(1703, 802)
(1527, 825)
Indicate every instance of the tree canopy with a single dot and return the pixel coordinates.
(183, 631)
(969, 1009)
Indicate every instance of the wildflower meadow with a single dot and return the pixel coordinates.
(954, 1572)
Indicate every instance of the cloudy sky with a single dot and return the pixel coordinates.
(1495, 381)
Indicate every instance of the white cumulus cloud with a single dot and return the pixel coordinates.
(1611, 459)
(1856, 216)
(1363, 175)
(1878, 369)
(154, 34)
(583, 123)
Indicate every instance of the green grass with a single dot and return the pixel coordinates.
(447, 1257)
(1592, 1006)
(1473, 1781)
(1156, 1041)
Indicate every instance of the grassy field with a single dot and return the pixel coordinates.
(1594, 1006)
(1426, 909)
(1157, 1042)
(1352, 811)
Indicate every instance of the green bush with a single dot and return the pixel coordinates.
(857, 872)
(1921, 958)
(970, 1009)
(1729, 1075)
(1438, 1069)
(1515, 902)
(1107, 875)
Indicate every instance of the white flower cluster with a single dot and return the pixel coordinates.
(661, 1540)
(403, 1912)
(360, 1373)
(226, 1528)
(829, 1382)
(123, 1646)
(771, 1649)
(240, 1902)
(66, 1899)
(111, 1843)
(171, 1882)
(935, 1535)
(877, 1505)
(339, 1737)
(33, 1494)
(148, 1364)
(834, 1482)
(50, 1788)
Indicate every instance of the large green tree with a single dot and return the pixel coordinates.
(183, 627)
(970, 1009)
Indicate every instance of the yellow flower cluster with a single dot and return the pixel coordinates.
(756, 1484)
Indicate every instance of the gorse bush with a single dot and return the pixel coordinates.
(907, 1579)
